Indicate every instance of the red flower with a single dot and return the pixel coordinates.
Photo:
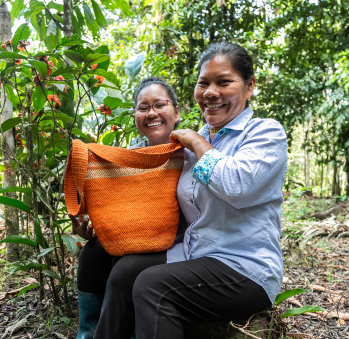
(54, 98)
(18, 62)
(36, 82)
(36, 164)
(19, 139)
(59, 78)
(114, 127)
(94, 66)
(104, 110)
(34, 114)
(50, 67)
(22, 45)
(98, 77)
(4, 47)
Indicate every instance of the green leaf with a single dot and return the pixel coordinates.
(66, 70)
(301, 310)
(108, 138)
(103, 50)
(288, 294)
(88, 14)
(45, 251)
(77, 29)
(38, 233)
(34, 265)
(11, 95)
(112, 103)
(58, 143)
(10, 123)
(58, 116)
(79, 16)
(17, 239)
(74, 56)
(12, 55)
(96, 58)
(14, 203)
(63, 221)
(51, 274)
(158, 69)
(22, 33)
(27, 190)
(51, 28)
(35, 7)
(30, 287)
(100, 17)
(39, 99)
(110, 76)
(118, 4)
(134, 65)
(41, 67)
(53, 5)
(74, 40)
(70, 242)
(17, 7)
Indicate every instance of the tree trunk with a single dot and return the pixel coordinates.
(68, 25)
(8, 147)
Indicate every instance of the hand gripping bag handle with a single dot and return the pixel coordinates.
(150, 157)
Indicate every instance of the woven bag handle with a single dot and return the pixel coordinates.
(75, 177)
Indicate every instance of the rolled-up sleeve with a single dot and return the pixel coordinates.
(254, 174)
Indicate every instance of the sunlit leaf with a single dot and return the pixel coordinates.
(134, 65)
(14, 203)
(27, 190)
(100, 17)
(41, 67)
(22, 33)
(11, 55)
(17, 239)
(70, 242)
(112, 103)
(301, 310)
(288, 294)
(10, 123)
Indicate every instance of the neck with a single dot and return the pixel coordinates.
(159, 141)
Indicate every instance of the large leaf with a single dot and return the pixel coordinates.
(58, 116)
(17, 239)
(134, 65)
(88, 14)
(159, 68)
(110, 76)
(51, 29)
(109, 138)
(103, 50)
(41, 67)
(10, 123)
(100, 17)
(22, 33)
(34, 265)
(74, 40)
(27, 190)
(118, 4)
(39, 99)
(51, 274)
(14, 203)
(66, 70)
(17, 7)
(112, 103)
(11, 95)
(288, 294)
(11, 55)
(96, 58)
(30, 287)
(54, 5)
(301, 310)
(70, 242)
(45, 251)
(74, 56)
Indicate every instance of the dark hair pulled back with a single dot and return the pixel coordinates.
(238, 57)
(157, 81)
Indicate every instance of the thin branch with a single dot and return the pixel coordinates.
(58, 24)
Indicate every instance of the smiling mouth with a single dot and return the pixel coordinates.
(155, 124)
(215, 106)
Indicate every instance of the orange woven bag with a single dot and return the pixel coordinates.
(129, 194)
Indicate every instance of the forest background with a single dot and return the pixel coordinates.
(69, 69)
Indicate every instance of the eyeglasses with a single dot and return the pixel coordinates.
(159, 107)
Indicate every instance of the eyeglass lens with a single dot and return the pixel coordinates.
(158, 107)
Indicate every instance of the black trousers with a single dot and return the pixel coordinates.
(159, 299)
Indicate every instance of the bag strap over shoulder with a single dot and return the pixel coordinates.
(75, 177)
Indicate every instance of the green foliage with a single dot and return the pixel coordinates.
(134, 65)
(288, 294)
(14, 203)
(17, 239)
(301, 310)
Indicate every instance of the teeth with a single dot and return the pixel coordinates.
(214, 106)
(154, 124)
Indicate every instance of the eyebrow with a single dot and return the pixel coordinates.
(221, 75)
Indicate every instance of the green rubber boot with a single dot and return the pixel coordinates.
(90, 305)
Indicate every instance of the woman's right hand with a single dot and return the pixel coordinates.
(82, 227)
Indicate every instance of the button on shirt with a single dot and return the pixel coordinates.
(232, 200)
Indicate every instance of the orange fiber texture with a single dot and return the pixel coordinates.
(129, 194)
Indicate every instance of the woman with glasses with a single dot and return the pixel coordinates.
(109, 278)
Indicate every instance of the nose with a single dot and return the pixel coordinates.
(212, 91)
(151, 112)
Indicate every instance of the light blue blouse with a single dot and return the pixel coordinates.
(232, 200)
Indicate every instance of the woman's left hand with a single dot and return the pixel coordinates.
(191, 140)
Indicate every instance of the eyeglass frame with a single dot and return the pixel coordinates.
(152, 106)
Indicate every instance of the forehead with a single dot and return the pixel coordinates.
(152, 93)
(219, 66)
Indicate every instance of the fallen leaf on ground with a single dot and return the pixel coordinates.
(299, 335)
(60, 336)
(16, 326)
(324, 289)
(30, 280)
(340, 322)
(7, 294)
